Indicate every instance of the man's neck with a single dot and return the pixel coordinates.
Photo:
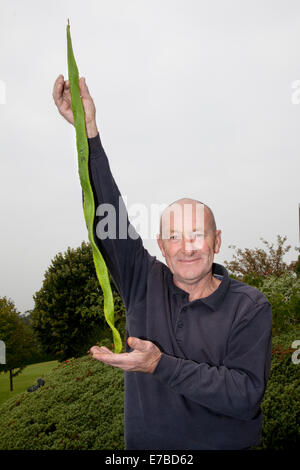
(200, 289)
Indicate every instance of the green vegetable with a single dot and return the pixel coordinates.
(89, 203)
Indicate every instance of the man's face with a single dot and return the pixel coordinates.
(188, 241)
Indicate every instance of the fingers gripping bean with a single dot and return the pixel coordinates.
(88, 201)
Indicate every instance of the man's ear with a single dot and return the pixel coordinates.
(160, 244)
(218, 241)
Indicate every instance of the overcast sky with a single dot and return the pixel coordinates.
(194, 98)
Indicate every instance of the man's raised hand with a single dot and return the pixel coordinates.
(62, 98)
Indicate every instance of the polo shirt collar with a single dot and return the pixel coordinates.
(215, 299)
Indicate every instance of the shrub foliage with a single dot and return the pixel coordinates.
(79, 407)
(283, 293)
(260, 262)
(281, 404)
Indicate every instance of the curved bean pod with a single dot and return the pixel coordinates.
(88, 202)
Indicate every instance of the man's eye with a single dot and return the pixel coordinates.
(174, 237)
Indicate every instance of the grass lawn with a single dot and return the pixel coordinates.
(28, 377)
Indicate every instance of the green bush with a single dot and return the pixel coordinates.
(79, 407)
(283, 294)
(281, 404)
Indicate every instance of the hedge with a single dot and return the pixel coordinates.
(281, 404)
(81, 407)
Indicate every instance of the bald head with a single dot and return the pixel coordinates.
(196, 206)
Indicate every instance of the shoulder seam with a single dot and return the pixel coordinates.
(263, 298)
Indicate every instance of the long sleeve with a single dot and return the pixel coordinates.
(120, 245)
(236, 387)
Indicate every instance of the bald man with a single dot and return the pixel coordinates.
(198, 343)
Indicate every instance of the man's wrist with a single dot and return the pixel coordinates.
(166, 367)
(155, 362)
(91, 129)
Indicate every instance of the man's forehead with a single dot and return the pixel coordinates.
(187, 215)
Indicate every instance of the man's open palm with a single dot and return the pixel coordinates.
(144, 357)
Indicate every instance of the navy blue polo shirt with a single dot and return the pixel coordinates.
(206, 390)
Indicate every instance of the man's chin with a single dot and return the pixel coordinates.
(189, 274)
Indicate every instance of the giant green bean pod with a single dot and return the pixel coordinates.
(88, 196)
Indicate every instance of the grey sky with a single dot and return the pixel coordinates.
(193, 98)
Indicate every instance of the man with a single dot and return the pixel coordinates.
(198, 343)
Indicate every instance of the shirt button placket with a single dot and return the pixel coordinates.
(180, 324)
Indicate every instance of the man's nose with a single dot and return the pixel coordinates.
(190, 244)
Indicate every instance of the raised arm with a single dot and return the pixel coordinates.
(120, 245)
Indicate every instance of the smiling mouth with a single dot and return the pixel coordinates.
(189, 260)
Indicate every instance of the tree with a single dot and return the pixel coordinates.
(17, 338)
(38, 354)
(68, 309)
(257, 263)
